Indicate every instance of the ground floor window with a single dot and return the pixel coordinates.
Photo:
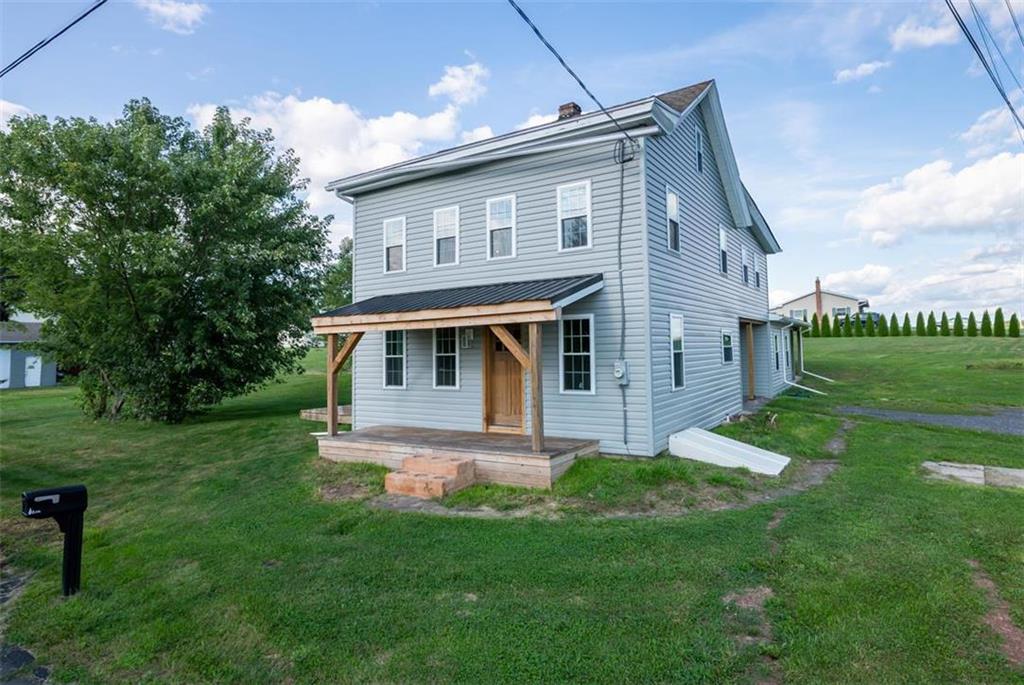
(726, 347)
(576, 353)
(789, 361)
(446, 358)
(394, 359)
(775, 349)
(676, 337)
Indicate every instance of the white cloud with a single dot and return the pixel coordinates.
(869, 279)
(983, 197)
(536, 120)
(462, 85)
(478, 133)
(200, 75)
(10, 109)
(779, 295)
(174, 16)
(860, 71)
(916, 32)
(874, 89)
(333, 139)
(992, 131)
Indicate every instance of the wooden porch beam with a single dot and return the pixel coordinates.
(512, 344)
(462, 322)
(536, 388)
(332, 387)
(346, 350)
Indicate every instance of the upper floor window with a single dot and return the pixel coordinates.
(574, 215)
(501, 227)
(446, 358)
(394, 244)
(744, 260)
(798, 314)
(394, 359)
(845, 311)
(723, 250)
(699, 143)
(446, 236)
(757, 272)
(726, 347)
(672, 211)
(576, 353)
(678, 363)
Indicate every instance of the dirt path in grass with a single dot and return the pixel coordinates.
(998, 617)
(809, 475)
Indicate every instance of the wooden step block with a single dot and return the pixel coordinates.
(463, 470)
(422, 485)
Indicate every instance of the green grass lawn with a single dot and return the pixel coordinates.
(209, 556)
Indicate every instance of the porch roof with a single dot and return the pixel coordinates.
(478, 305)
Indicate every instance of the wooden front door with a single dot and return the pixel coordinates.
(503, 385)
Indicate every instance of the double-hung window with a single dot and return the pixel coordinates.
(574, 215)
(672, 211)
(446, 236)
(501, 227)
(837, 311)
(678, 361)
(757, 272)
(798, 314)
(775, 349)
(446, 358)
(576, 353)
(698, 137)
(394, 244)
(394, 359)
(744, 260)
(726, 346)
(723, 250)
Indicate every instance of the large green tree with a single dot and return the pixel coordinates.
(986, 324)
(958, 325)
(176, 267)
(883, 326)
(815, 326)
(907, 330)
(944, 324)
(338, 280)
(894, 325)
(1014, 331)
(932, 327)
(972, 326)
(999, 324)
(869, 328)
(826, 326)
(919, 325)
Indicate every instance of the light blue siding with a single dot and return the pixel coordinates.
(690, 283)
(533, 180)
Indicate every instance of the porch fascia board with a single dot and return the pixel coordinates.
(484, 319)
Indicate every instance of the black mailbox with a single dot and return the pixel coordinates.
(67, 505)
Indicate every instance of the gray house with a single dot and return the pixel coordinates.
(20, 367)
(603, 282)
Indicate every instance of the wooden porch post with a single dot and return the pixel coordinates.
(750, 361)
(332, 386)
(536, 388)
(335, 360)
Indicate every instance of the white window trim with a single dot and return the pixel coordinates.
(698, 149)
(722, 230)
(561, 355)
(775, 351)
(405, 251)
(732, 344)
(671, 352)
(487, 222)
(458, 360)
(668, 226)
(384, 363)
(590, 222)
(458, 234)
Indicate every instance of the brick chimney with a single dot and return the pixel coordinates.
(568, 111)
(817, 296)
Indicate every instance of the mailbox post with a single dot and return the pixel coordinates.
(67, 505)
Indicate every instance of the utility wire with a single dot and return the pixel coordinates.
(986, 31)
(984, 63)
(49, 39)
(978, 22)
(572, 73)
(1016, 24)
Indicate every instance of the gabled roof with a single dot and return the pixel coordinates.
(653, 115)
(11, 332)
(823, 292)
(554, 291)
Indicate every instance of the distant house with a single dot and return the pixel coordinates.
(823, 302)
(20, 368)
(560, 279)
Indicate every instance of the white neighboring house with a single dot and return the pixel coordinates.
(21, 368)
(821, 301)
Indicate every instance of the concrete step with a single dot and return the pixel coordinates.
(423, 485)
(463, 470)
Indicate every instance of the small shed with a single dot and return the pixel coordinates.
(20, 367)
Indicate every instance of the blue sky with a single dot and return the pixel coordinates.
(871, 139)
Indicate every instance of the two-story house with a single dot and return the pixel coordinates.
(601, 281)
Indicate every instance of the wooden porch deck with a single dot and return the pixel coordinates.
(500, 457)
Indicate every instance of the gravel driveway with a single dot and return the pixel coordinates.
(1005, 421)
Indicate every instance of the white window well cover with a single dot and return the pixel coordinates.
(711, 448)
